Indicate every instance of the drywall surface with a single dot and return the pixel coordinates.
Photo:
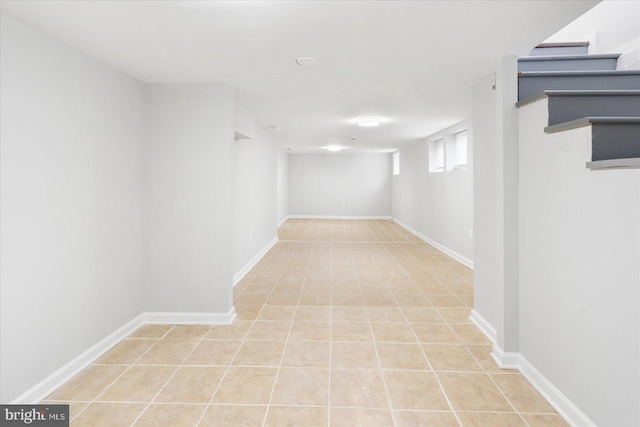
(283, 185)
(579, 276)
(439, 205)
(610, 27)
(340, 184)
(188, 198)
(71, 189)
(254, 197)
(485, 207)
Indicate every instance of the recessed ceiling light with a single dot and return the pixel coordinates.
(273, 127)
(334, 148)
(305, 61)
(369, 122)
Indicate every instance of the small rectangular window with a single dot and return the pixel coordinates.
(436, 155)
(396, 163)
(461, 150)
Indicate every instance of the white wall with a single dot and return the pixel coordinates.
(70, 222)
(579, 274)
(485, 208)
(610, 27)
(255, 197)
(283, 186)
(437, 205)
(188, 198)
(340, 184)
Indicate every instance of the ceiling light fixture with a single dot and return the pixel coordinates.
(334, 148)
(369, 122)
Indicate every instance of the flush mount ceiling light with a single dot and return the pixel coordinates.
(369, 122)
(334, 148)
(305, 61)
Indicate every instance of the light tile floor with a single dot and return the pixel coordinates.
(342, 323)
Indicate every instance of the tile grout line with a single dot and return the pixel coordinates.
(244, 339)
(171, 376)
(122, 373)
(275, 381)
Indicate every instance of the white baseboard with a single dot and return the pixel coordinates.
(283, 220)
(560, 402)
(338, 217)
(451, 253)
(44, 388)
(505, 360)
(159, 318)
(484, 326)
(243, 272)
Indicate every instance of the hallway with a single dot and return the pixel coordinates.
(342, 323)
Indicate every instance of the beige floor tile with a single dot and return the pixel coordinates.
(455, 314)
(167, 352)
(393, 332)
(360, 417)
(386, 314)
(260, 353)
(247, 312)
(236, 331)
(422, 315)
(445, 300)
(213, 352)
(314, 299)
(319, 331)
(435, 333)
(277, 312)
(406, 300)
(283, 299)
(521, 394)
(171, 415)
(414, 390)
(470, 334)
(138, 384)
(377, 300)
(295, 416)
(545, 420)
(302, 386)
(473, 392)
(89, 383)
(482, 354)
(483, 419)
(267, 330)
(191, 385)
(233, 416)
(351, 332)
(126, 352)
(243, 385)
(424, 418)
(450, 358)
(354, 355)
(251, 298)
(349, 314)
(347, 300)
(313, 314)
(402, 356)
(75, 408)
(358, 388)
(100, 414)
(151, 331)
(310, 354)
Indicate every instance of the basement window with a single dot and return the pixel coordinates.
(437, 155)
(396, 163)
(461, 151)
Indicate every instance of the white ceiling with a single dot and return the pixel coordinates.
(411, 63)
